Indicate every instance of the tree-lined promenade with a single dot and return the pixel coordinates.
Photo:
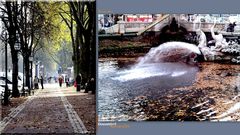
(57, 43)
(53, 29)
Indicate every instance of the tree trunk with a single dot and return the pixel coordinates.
(75, 68)
(15, 91)
(85, 60)
(91, 43)
(77, 54)
(26, 71)
(93, 47)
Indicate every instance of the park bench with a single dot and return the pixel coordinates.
(2, 96)
(25, 92)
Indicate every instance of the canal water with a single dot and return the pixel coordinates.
(167, 91)
(118, 84)
(163, 68)
(167, 84)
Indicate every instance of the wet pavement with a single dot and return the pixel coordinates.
(48, 111)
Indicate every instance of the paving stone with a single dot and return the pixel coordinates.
(48, 111)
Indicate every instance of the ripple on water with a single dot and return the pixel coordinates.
(116, 85)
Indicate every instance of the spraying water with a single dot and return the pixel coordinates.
(171, 52)
(168, 59)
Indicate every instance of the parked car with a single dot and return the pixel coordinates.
(3, 84)
(2, 89)
(20, 80)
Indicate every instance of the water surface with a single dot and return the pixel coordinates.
(118, 85)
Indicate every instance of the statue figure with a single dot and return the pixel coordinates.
(207, 52)
(220, 42)
(202, 45)
(201, 37)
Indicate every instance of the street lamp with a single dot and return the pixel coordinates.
(17, 46)
(42, 70)
(6, 94)
(36, 66)
(31, 60)
(23, 89)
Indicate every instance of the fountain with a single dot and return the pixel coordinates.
(222, 51)
(170, 54)
(201, 38)
(172, 59)
(220, 42)
(206, 51)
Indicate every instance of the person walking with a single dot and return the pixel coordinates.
(78, 82)
(60, 80)
(67, 81)
(35, 82)
(41, 81)
(231, 27)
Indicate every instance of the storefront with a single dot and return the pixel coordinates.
(139, 18)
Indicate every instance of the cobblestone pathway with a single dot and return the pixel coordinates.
(48, 111)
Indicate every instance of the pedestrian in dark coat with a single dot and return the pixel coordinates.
(231, 27)
(67, 81)
(60, 80)
(41, 81)
(35, 82)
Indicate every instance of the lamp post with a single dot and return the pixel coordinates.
(17, 48)
(42, 70)
(36, 67)
(31, 86)
(23, 89)
(6, 94)
(17, 44)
